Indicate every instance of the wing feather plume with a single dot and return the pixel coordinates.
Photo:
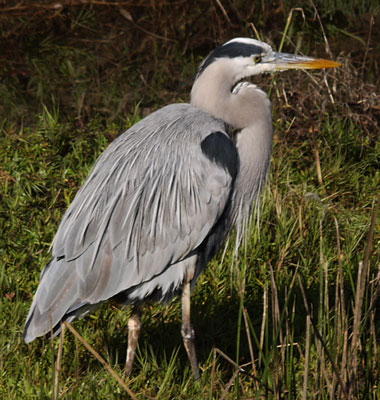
(151, 200)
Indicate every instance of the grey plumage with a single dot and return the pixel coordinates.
(103, 248)
(164, 195)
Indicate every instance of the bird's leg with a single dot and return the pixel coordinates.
(134, 327)
(188, 331)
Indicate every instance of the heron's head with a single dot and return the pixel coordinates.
(244, 57)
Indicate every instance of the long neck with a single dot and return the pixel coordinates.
(211, 89)
(212, 92)
(248, 111)
(254, 145)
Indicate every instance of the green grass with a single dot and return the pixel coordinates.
(301, 221)
(292, 308)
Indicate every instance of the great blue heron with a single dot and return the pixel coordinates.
(164, 195)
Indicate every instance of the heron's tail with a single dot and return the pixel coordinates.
(55, 301)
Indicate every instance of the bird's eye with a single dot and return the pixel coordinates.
(257, 58)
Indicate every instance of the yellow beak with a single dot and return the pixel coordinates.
(289, 61)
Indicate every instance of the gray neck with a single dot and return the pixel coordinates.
(248, 111)
(211, 90)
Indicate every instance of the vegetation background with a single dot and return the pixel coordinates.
(296, 314)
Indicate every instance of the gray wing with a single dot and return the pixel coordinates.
(152, 198)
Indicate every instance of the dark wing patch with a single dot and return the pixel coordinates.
(220, 149)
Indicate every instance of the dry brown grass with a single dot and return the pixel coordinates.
(142, 52)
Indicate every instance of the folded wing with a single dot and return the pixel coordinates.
(152, 198)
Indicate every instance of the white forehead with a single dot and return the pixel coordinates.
(251, 41)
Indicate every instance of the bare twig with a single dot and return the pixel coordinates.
(100, 359)
(230, 382)
(367, 47)
(231, 361)
(220, 5)
(58, 363)
(372, 326)
(307, 357)
(129, 18)
(276, 330)
(289, 19)
(319, 169)
(374, 215)
(327, 46)
(250, 345)
(360, 283)
(252, 25)
(328, 89)
(264, 321)
(340, 312)
(213, 372)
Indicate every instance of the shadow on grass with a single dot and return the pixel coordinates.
(215, 321)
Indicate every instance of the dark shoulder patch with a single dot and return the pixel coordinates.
(221, 150)
(230, 50)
